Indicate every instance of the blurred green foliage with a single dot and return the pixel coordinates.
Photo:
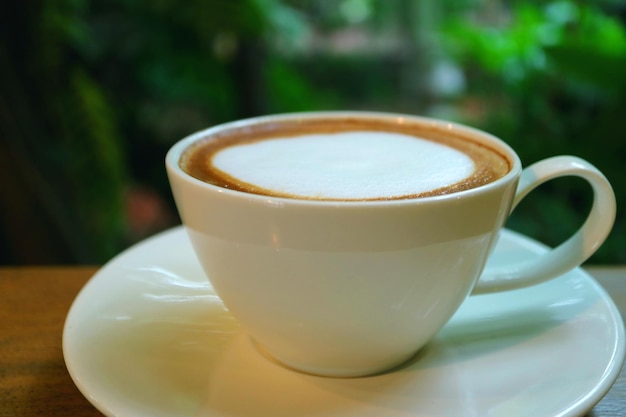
(62, 156)
(93, 93)
(553, 81)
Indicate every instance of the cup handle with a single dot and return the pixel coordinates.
(573, 251)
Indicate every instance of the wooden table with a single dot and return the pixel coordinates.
(34, 302)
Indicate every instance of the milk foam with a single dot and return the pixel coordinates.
(346, 165)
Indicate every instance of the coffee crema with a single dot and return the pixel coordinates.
(343, 159)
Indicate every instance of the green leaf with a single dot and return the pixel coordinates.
(590, 66)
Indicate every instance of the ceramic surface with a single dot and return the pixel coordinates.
(147, 336)
(315, 281)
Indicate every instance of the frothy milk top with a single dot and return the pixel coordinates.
(345, 165)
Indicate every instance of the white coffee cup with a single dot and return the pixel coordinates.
(352, 288)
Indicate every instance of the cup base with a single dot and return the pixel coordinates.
(334, 372)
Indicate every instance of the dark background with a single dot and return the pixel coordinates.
(93, 93)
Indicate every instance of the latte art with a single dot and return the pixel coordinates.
(343, 159)
(357, 165)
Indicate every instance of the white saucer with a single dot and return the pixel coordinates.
(147, 336)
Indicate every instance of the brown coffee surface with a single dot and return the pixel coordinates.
(196, 160)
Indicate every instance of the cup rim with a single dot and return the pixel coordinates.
(176, 150)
